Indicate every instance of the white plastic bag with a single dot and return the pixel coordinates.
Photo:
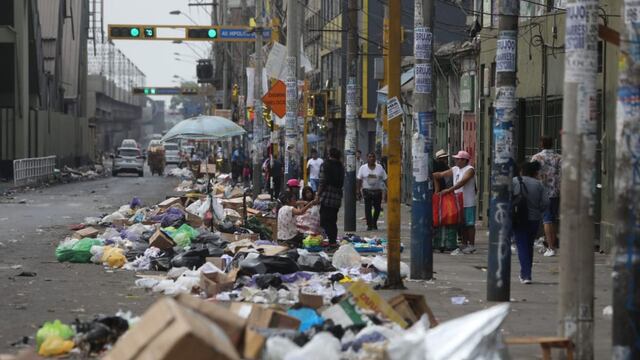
(346, 257)
(278, 347)
(115, 216)
(323, 346)
(380, 263)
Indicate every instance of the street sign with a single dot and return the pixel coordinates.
(215, 33)
(276, 98)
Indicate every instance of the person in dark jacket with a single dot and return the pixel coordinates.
(330, 194)
(528, 186)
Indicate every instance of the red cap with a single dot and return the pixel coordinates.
(462, 155)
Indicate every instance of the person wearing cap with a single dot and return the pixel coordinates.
(464, 182)
(440, 164)
(293, 185)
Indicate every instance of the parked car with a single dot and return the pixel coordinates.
(171, 153)
(129, 143)
(128, 159)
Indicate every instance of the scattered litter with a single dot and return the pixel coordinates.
(607, 312)
(459, 300)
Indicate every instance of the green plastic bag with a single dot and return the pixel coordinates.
(183, 235)
(76, 252)
(55, 328)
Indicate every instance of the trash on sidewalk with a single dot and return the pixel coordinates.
(459, 300)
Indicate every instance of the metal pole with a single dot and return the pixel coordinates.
(579, 140)
(351, 105)
(225, 60)
(257, 104)
(499, 268)
(395, 148)
(626, 261)
(293, 48)
(422, 142)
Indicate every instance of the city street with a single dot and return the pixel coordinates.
(31, 231)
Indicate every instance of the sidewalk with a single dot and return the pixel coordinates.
(534, 308)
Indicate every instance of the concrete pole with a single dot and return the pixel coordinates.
(351, 106)
(422, 142)
(395, 147)
(626, 260)
(258, 124)
(225, 60)
(499, 268)
(21, 106)
(293, 49)
(385, 81)
(579, 140)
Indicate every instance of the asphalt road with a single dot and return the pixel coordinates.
(31, 226)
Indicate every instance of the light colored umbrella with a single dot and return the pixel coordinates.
(204, 127)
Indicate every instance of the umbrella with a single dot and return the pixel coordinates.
(204, 128)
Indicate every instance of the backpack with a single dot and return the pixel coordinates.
(520, 211)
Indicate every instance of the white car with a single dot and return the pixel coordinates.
(171, 153)
(128, 159)
(129, 143)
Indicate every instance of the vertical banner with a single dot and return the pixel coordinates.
(350, 136)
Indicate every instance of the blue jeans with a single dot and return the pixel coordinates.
(525, 236)
(314, 184)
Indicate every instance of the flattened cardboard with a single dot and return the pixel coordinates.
(215, 283)
(411, 307)
(366, 298)
(193, 220)
(89, 232)
(161, 240)
(232, 324)
(170, 201)
(169, 331)
(309, 300)
(217, 261)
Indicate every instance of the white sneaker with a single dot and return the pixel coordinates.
(514, 250)
(550, 252)
(525, 281)
(469, 249)
(457, 252)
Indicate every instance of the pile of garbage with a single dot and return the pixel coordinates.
(233, 292)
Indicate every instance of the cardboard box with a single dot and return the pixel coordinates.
(411, 307)
(217, 261)
(237, 237)
(193, 220)
(207, 169)
(170, 201)
(161, 240)
(215, 283)
(232, 324)
(89, 232)
(309, 300)
(366, 298)
(170, 331)
(260, 317)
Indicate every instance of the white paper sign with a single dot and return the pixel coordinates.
(422, 43)
(506, 53)
(276, 61)
(423, 78)
(394, 109)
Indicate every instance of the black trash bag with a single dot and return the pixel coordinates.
(207, 237)
(215, 251)
(163, 261)
(264, 264)
(292, 254)
(95, 335)
(266, 280)
(138, 248)
(192, 258)
(315, 263)
(145, 236)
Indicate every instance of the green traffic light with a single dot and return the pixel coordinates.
(153, 91)
(134, 32)
(212, 33)
(146, 91)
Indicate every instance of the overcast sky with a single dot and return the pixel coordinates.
(156, 58)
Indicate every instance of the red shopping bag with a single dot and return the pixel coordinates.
(447, 209)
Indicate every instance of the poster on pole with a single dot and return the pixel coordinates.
(422, 43)
(506, 52)
(394, 109)
(423, 78)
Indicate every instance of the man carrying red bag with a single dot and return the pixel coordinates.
(464, 182)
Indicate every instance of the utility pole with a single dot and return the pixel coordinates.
(293, 50)
(225, 59)
(626, 261)
(422, 142)
(578, 171)
(258, 124)
(499, 268)
(385, 82)
(351, 106)
(394, 148)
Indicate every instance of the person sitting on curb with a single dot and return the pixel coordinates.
(288, 234)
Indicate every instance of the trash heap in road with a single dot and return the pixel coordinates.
(233, 292)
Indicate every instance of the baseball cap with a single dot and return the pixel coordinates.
(293, 183)
(462, 155)
(441, 153)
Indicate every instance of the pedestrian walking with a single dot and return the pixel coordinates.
(550, 163)
(464, 181)
(288, 234)
(330, 194)
(371, 182)
(530, 202)
(313, 166)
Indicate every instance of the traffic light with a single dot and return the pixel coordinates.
(132, 32)
(144, 90)
(320, 104)
(202, 32)
(204, 71)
